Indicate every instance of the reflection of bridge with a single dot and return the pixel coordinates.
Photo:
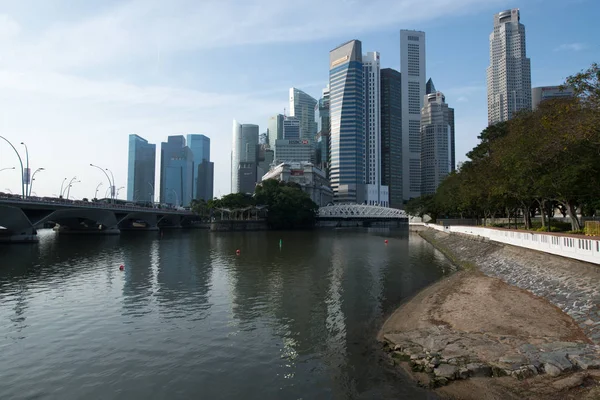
(351, 215)
(20, 218)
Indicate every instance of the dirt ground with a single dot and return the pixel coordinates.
(471, 302)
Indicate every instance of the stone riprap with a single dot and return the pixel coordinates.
(572, 286)
(446, 355)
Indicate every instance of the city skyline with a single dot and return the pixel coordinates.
(102, 90)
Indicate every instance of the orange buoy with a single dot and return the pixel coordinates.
(237, 252)
(121, 267)
(386, 241)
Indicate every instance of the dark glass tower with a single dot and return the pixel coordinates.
(391, 134)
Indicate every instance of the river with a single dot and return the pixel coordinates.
(188, 318)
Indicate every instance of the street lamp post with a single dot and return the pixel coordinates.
(97, 187)
(176, 197)
(4, 169)
(69, 187)
(33, 178)
(28, 180)
(107, 177)
(151, 193)
(118, 190)
(20, 162)
(112, 189)
(61, 187)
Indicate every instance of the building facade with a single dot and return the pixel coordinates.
(266, 157)
(141, 169)
(275, 129)
(292, 151)
(509, 72)
(176, 172)
(302, 106)
(244, 151)
(291, 128)
(347, 125)
(322, 145)
(412, 68)
(206, 176)
(311, 179)
(375, 193)
(436, 148)
(391, 135)
(541, 93)
(200, 147)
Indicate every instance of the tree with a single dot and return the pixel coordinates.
(289, 207)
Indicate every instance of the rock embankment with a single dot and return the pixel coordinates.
(496, 318)
(571, 285)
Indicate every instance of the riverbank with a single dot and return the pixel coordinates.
(518, 315)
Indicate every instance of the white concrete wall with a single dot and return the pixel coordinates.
(584, 248)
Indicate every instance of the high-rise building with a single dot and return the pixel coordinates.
(176, 171)
(291, 128)
(391, 135)
(412, 68)
(429, 87)
(347, 114)
(509, 72)
(275, 129)
(302, 106)
(436, 142)
(200, 146)
(322, 145)
(375, 193)
(263, 138)
(292, 151)
(206, 176)
(141, 168)
(244, 157)
(541, 93)
(266, 157)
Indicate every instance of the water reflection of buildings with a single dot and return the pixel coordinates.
(320, 293)
(183, 272)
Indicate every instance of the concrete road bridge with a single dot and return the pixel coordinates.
(361, 215)
(19, 218)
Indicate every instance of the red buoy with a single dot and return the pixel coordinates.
(121, 267)
(237, 252)
(386, 241)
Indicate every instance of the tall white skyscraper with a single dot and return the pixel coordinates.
(375, 193)
(412, 68)
(509, 73)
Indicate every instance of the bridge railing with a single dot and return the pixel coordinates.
(88, 204)
(345, 211)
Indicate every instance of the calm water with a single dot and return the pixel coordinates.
(190, 319)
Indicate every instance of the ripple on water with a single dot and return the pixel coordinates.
(188, 318)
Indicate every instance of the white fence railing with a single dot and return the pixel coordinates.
(583, 248)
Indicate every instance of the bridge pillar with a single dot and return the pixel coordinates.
(28, 235)
(18, 228)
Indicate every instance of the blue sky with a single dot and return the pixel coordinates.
(75, 80)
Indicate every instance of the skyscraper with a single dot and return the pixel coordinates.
(291, 128)
(200, 146)
(391, 135)
(541, 93)
(244, 158)
(141, 168)
(375, 193)
(176, 171)
(206, 175)
(347, 121)
(292, 150)
(275, 129)
(509, 73)
(436, 142)
(322, 119)
(302, 106)
(412, 63)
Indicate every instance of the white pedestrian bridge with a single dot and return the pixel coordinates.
(360, 212)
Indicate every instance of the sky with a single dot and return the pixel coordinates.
(76, 78)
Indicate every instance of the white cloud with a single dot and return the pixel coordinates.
(53, 96)
(571, 47)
